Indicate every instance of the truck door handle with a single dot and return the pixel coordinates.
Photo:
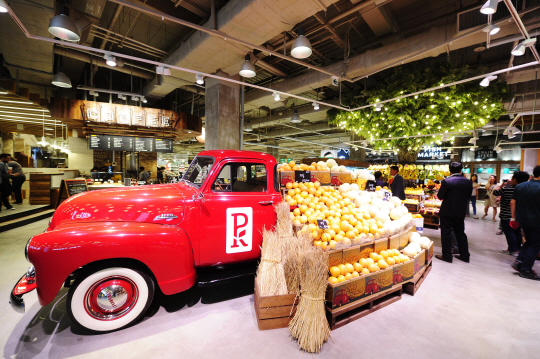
(266, 202)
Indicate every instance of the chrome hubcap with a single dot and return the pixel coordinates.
(111, 298)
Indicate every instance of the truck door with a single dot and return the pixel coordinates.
(238, 204)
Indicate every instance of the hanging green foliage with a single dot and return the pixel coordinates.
(459, 108)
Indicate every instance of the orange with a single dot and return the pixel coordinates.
(317, 243)
(297, 190)
(303, 219)
(338, 238)
(364, 262)
(341, 278)
(350, 234)
(384, 254)
(348, 276)
(345, 216)
(333, 280)
(365, 271)
(312, 191)
(343, 269)
(345, 226)
(324, 246)
(303, 208)
(355, 274)
(289, 185)
(356, 231)
(292, 163)
(316, 234)
(296, 222)
(350, 267)
(326, 237)
(317, 184)
(357, 267)
(352, 221)
(335, 271)
(332, 244)
(304, 194)
(296, 211)
(295, 185)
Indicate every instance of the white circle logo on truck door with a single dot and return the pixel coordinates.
(239, 230)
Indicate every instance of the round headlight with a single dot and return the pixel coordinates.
(26, 249)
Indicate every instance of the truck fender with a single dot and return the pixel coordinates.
(165, 249)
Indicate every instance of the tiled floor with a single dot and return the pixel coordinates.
(477, 310)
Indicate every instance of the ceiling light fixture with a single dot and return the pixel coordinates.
(63, 27)
(143, 99)
(3, 6)
(276, 96)
(134, 98)
(519, 50)
(199, 79)
(498, 149)
(61, 80)
(110, 60)
(487, 133)
(248, 127)
(489, 124)
(301, 47)
(472, 148)
(161, 70)
(378, 107)
(295, 118)
(247, 69)
(491, 29)
(490, 7)
(316, 105)
(486, 80)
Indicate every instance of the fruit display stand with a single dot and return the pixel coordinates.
(430, 212)
(274, 311)
(414, 284)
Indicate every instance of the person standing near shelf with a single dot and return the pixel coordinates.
(378, 180)
(513, 236)
(5, 186)
(525, 209)
(491, 200)
(143, 175)
(398, 184)
(455, 193)
(17, 179)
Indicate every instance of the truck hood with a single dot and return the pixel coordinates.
(159, 204)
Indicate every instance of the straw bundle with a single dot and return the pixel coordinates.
(284, 222)
(297, 247)
(270, 274)
(309, 325)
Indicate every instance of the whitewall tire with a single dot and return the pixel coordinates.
(109, 299)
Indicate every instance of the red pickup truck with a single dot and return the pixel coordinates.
(114, 248)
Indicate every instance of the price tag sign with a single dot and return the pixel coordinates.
(302, 176)
(387, 196)
(370, 186)
(322, 223)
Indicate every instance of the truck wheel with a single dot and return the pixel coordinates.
(109, 299)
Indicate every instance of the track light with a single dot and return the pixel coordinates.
(247, 69)
(487, 133)
(248, 127)
(491, 29)
(486, 80)
(315, 106)
(121, 97)
(301, 47)
(110, 60)
(161, 70)
(3, 6)
(498, 149)
(93, 93)
(473, 140)
(490, 7)
(134, 98)
(119, 62)
(519, 50)
(378, 107)
(143, 99)
(63, 27)
(295, 118)
(61, 80)
(276, 96)
(489, 124)
(199, 79)
(472, 148)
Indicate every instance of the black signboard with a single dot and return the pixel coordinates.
(143, 144)
(163, 145)
(121, 143)
(71, 187)
(485, 153)
(302, 176)
(370, 186)
(387, 196)
(322, 223)
(99, 142)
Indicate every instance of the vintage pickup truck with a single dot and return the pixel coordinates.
(113, 248)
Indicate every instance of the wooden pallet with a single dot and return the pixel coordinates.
(414, 284)
(351, 312)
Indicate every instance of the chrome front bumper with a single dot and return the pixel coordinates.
(26, 284)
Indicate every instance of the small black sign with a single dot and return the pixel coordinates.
(485, 153)
(163, 145)
(70, 187)
(387, 196)
(370, 186)
(322, 223)
(143, 144)
(302, 176)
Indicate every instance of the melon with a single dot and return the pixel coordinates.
(331, 163)
(354, 187)
(395, 214)
(395, 201)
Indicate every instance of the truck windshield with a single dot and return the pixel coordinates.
(198, 170)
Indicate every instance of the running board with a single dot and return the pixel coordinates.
(217, 276)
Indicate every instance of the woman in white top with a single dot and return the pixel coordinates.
(491, 200)
(474, 194)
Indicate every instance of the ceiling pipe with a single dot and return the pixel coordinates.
(115, 16)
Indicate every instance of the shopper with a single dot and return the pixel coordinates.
(513, 236)
(17, 179)
(160, 175)
(455, 194)
(525, 208)
(143, 175)
(398, 185)
(5, 186)
(491, 200)
(474, 195)
(378, 180)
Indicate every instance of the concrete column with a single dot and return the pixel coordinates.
(222, 114)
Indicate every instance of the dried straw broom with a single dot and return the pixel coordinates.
(270, 274)
(309, 325)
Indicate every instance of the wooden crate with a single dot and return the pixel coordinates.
(356, 310)
(274, 311)
(414, 284)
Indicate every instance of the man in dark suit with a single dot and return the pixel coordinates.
(455, 192)
(398, 186)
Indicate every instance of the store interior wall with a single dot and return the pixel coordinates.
(81, 157)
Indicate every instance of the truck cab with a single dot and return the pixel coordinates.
(113, 248)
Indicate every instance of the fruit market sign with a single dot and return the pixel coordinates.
(430, 152)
